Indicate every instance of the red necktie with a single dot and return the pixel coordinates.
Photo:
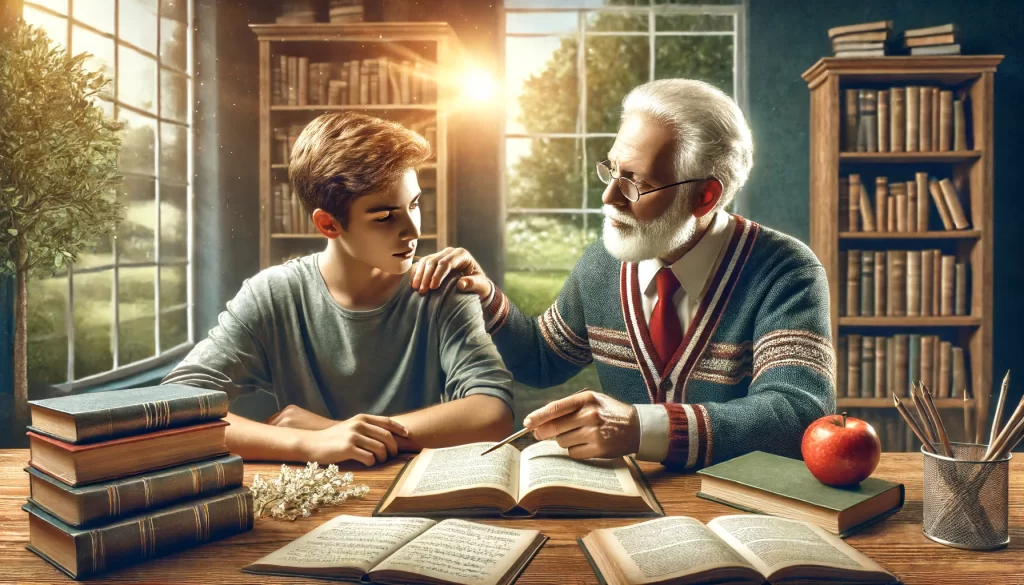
(666, 330)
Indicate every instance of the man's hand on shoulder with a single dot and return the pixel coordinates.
(366, 438)
(431, 270)
(588, 424)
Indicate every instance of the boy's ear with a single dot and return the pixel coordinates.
(326, 224)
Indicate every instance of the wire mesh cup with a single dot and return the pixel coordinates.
(966, 500)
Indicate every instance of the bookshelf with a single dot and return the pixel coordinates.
(834, 155)
(409, 59)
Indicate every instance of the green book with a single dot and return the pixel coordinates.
(763, 483)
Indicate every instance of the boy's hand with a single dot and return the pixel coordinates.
(366, 438)
(428, 273)
(296, 417)
(588, 424)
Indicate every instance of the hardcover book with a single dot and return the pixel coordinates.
(97, 416)
(83, 464)
(103, 502)
(678, 550)
(405, 550)
(790, 491)
(541, 480)
(80, 553)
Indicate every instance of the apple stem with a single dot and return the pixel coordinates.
(844, 420)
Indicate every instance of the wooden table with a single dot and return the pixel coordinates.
(897, 543)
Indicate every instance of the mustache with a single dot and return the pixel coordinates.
(614, 214)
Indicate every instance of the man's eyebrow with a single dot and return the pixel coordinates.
(622, 171)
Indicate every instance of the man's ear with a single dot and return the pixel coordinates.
(326, 224)
(708, 197)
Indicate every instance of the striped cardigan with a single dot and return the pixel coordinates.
(755, 368)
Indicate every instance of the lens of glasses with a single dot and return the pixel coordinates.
(604, 173)
(628, 189)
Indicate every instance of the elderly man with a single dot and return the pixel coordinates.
(711, 333)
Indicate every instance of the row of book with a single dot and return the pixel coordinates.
(899, 206)
(123, 476)
(295, 81)
(305, 12)
(874, 39)
(904, 119)
(879, 367)
(902, 283)
(284, 137)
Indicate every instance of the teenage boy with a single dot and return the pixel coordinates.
(366, 366)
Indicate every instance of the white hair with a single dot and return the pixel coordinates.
(712, 136)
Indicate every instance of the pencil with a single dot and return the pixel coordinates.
(521, 432)
(913, 424)
(928, 425)
(999, 409)
(940, 429)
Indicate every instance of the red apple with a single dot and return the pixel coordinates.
(840, 450)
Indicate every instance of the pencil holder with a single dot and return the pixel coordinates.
(966, 500)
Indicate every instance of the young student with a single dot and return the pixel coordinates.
(365, 366)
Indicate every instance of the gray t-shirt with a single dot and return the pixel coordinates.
(284, 333)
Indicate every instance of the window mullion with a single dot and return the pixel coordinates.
(581, 122)
(115, 290)
(156, 170)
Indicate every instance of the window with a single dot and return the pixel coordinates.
(568, 65)
(125, 306)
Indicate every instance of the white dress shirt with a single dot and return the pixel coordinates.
(693, 271)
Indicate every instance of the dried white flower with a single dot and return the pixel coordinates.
(300, 492)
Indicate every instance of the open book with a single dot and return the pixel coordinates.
(746, 548)
(405, 550)
(542, 479)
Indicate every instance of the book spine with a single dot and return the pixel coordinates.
(870, 119)
(935, 118)
(158, 534)
(150, 491)
(927, 361)
(303, 90)
(914, 358)
(890, 214)
(880, 367)
(293, 81)
(911, 189)
(935, 363)
(959, 382)
(952, 199)
(879, 280)
(924, 140)
(898, 283)
(940, 203)
(841, 366)
(854, 217)
(945, 121)
(867, 367)
(843, 267)
(867, 283)
(881, 207)
(926, 283)
(913, 118)
(945, 369)
(282, 64)
(862, 134)
(853, 366)
(936, 281)
(867, 215)
(890, 365)
(914, 283)
(960, 297)
(883, 122)
(901, 367)
(853, 283)
(947, 284)
(921, 184)
(897, 120)
(959, 126)
(149, 416)
(844, 204)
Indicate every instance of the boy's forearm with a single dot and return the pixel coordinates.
(255, 441)
(472, 419)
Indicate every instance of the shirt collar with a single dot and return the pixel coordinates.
(695, 266)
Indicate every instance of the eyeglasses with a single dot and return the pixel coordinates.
(627, 187)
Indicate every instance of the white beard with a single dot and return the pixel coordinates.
(637, 241)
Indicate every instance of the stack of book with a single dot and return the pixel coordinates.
(297, 12)
(860, 40)
(915, 118)
(123, 476)
(345, 11)
(934, 40)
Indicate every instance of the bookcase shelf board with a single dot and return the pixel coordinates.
(905, 157)
(933, 235)
(910, 321)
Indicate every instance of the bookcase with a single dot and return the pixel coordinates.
(861, 152)
(396, 71)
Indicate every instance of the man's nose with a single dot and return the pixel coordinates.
(613, 196)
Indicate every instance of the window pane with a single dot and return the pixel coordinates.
(137, 24)
(100, 253)
(55, 27)
(542, 85)
(173, 223)
(47, 330)
(137, 314)
(96, 13)
(60, 6)
(94, 316)
(618, 21)
(544, 173)
(174, 9)
(542, 22)
(173, 152)
(597, 151)
(708, 59)
(615, 65)
(173, 96)
(693, 22)
(173, 286)
(547, 243)
(137, 81)
(173, 44)
(173, 329)
(139, 144)
(135, 241)
(102, 50)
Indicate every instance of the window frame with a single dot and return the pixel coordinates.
(162, 356)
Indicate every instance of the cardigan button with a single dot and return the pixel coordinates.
(666, 385)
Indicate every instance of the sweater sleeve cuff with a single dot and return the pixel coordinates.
(689, 436)
(654, 432)
(496, 310)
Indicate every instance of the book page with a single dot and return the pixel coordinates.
(773, 543)
(668, 547)
(546, 464)
(455, 468)
(462, 552)
(348, 541)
